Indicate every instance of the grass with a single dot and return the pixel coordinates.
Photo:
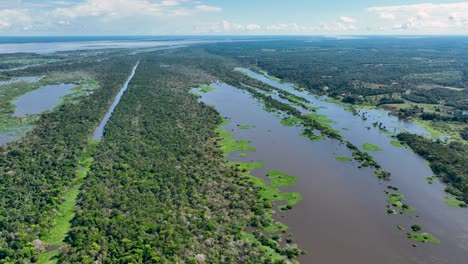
(368, 146)
(66, 211)
(48, 257)
(344, 159)
(204, 88)
(291, 121)
(453, 202)
(431, 179)
(424, 238)
(396, 143)
(280, 179)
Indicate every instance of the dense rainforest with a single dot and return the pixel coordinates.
(159, 189)
(37, 170)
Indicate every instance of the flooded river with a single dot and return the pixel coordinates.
(342, 217)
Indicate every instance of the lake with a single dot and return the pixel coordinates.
(42, 99)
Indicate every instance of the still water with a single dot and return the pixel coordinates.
(99, 132)
(42, 99)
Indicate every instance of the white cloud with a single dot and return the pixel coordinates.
(426, 17)
(346, 19)
(253, 27)
(207, 8)
(15, 18)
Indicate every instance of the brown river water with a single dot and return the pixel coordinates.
(342, 217)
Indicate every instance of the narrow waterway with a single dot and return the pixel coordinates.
(342, 217)
(99, 132)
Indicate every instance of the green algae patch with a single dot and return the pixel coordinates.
(280, 179)
(396, 143)
(368, 146)
(290, 121)
(343, 159)
(206, 88)
(242, 155)
(423, 237)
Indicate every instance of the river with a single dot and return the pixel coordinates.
(342, 217)
(99, 132)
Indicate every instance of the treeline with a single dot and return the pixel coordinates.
(36, 171)
(447, 161)
(365, 67)
(160, 190)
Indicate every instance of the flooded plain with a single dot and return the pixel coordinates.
(342, 217)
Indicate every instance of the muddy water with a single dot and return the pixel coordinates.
(342, 217)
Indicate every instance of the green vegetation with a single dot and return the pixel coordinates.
(368, 146)
(206, 88)
(396, 202)
(400, 227)
(66, 211)
(453, 202)
(290, 121)
(280, 179)
(36, 204)
(424, 238)
(164, 175)
(447, 161)
(396, 143)
(244, 127)
(431, 179)
(344, 159)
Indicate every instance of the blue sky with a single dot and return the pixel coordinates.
(233, 17)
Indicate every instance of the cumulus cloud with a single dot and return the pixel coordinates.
(427, 17)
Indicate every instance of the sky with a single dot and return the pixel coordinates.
(232, 17)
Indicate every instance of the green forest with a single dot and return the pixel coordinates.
(158, 188)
